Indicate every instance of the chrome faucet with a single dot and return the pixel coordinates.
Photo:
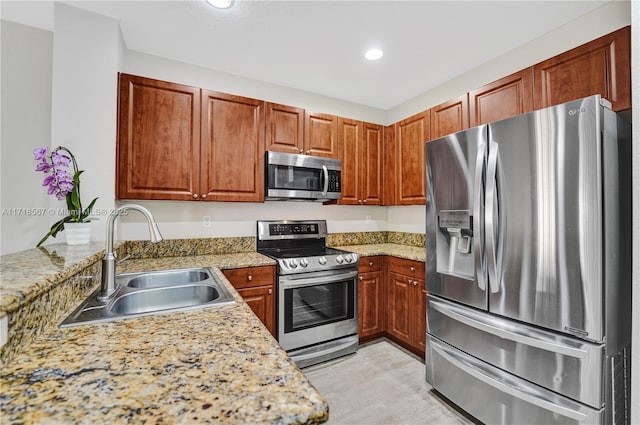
(108, 287)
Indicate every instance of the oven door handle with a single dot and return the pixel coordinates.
(289, 282)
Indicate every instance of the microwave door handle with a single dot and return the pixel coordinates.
(326, 180)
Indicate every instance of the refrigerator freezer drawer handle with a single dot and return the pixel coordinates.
(504, 334)
(478, 231)
(490, 223)
(515, 392)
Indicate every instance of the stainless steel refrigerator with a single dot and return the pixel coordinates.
(528, 225)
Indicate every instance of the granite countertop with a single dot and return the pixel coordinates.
(212, 365)
(396, 250)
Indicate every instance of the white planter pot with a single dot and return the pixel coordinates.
(77, 233)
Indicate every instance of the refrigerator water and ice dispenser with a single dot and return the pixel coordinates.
(454, 247)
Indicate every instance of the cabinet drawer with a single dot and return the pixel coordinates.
(407, 267)
(370, 264)
(250, 276)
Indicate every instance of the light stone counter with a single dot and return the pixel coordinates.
(212, 365)
(395, 250)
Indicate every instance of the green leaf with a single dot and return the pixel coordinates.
(87, 212)
(58, 226)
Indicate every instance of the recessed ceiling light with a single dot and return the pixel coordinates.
(220, 4)
(373, 54)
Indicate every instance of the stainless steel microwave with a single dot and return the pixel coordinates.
(301, 177)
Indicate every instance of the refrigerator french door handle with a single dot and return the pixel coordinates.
(506, 334)
(478, 228)
(521, 394)
(489, 218)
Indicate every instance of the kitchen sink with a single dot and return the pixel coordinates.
(166, 278)
(148, 293)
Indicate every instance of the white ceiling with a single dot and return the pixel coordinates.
(318, 46)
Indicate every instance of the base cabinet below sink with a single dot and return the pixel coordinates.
(256, 285)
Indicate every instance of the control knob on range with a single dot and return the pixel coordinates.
(339, 259)
(322, 260)
(304, 262)
(293, 263)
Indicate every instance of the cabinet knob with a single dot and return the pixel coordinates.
(370, 263)
(413, 269)
(360, 277)
(249, 278)
(270, 291)
(364, 201)
(410, 282)
(301, 150)
(195, 196)
(204, 195)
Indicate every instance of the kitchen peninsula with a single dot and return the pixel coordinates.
(212, 365)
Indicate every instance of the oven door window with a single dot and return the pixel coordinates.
(295, 178)
(317, 305)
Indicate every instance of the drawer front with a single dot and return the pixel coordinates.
(407, 267)
(370, 264)
(251, 276)
(506, 399)
(558, 363)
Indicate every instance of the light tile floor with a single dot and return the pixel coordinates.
(381, 384)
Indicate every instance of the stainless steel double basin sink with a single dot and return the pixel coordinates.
(147, 293)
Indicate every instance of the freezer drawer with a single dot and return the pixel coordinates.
(497, 397)
(568, 366)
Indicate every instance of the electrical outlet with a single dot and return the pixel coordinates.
(367, 219)
(206, 221)
(4, 330)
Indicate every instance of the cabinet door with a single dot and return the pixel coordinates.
(285, 128)
(411, 135)
(261, 301)
(399, 317)
(371, 165)
(601, 66)
(321, 134)
(256, 285)
(389, 173)
(232, 152)
(370, 308)
(158, 146)
(420, 309)
(351, 155)
(450, 117)
(504, 98)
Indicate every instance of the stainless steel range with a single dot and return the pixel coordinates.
(317, 290)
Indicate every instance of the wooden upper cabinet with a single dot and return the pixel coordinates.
(389, 165)
(371, 164)
(411, 135)
(504, 98)
(360, 147)
(321, 134)
(285, 128)
(232, 153)
(450, 117)
(601, 66)
(350, 149)
(158, 146)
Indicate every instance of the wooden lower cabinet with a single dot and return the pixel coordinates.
(392, 301)
(406, 304)
(256, 285)
(370, 298)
